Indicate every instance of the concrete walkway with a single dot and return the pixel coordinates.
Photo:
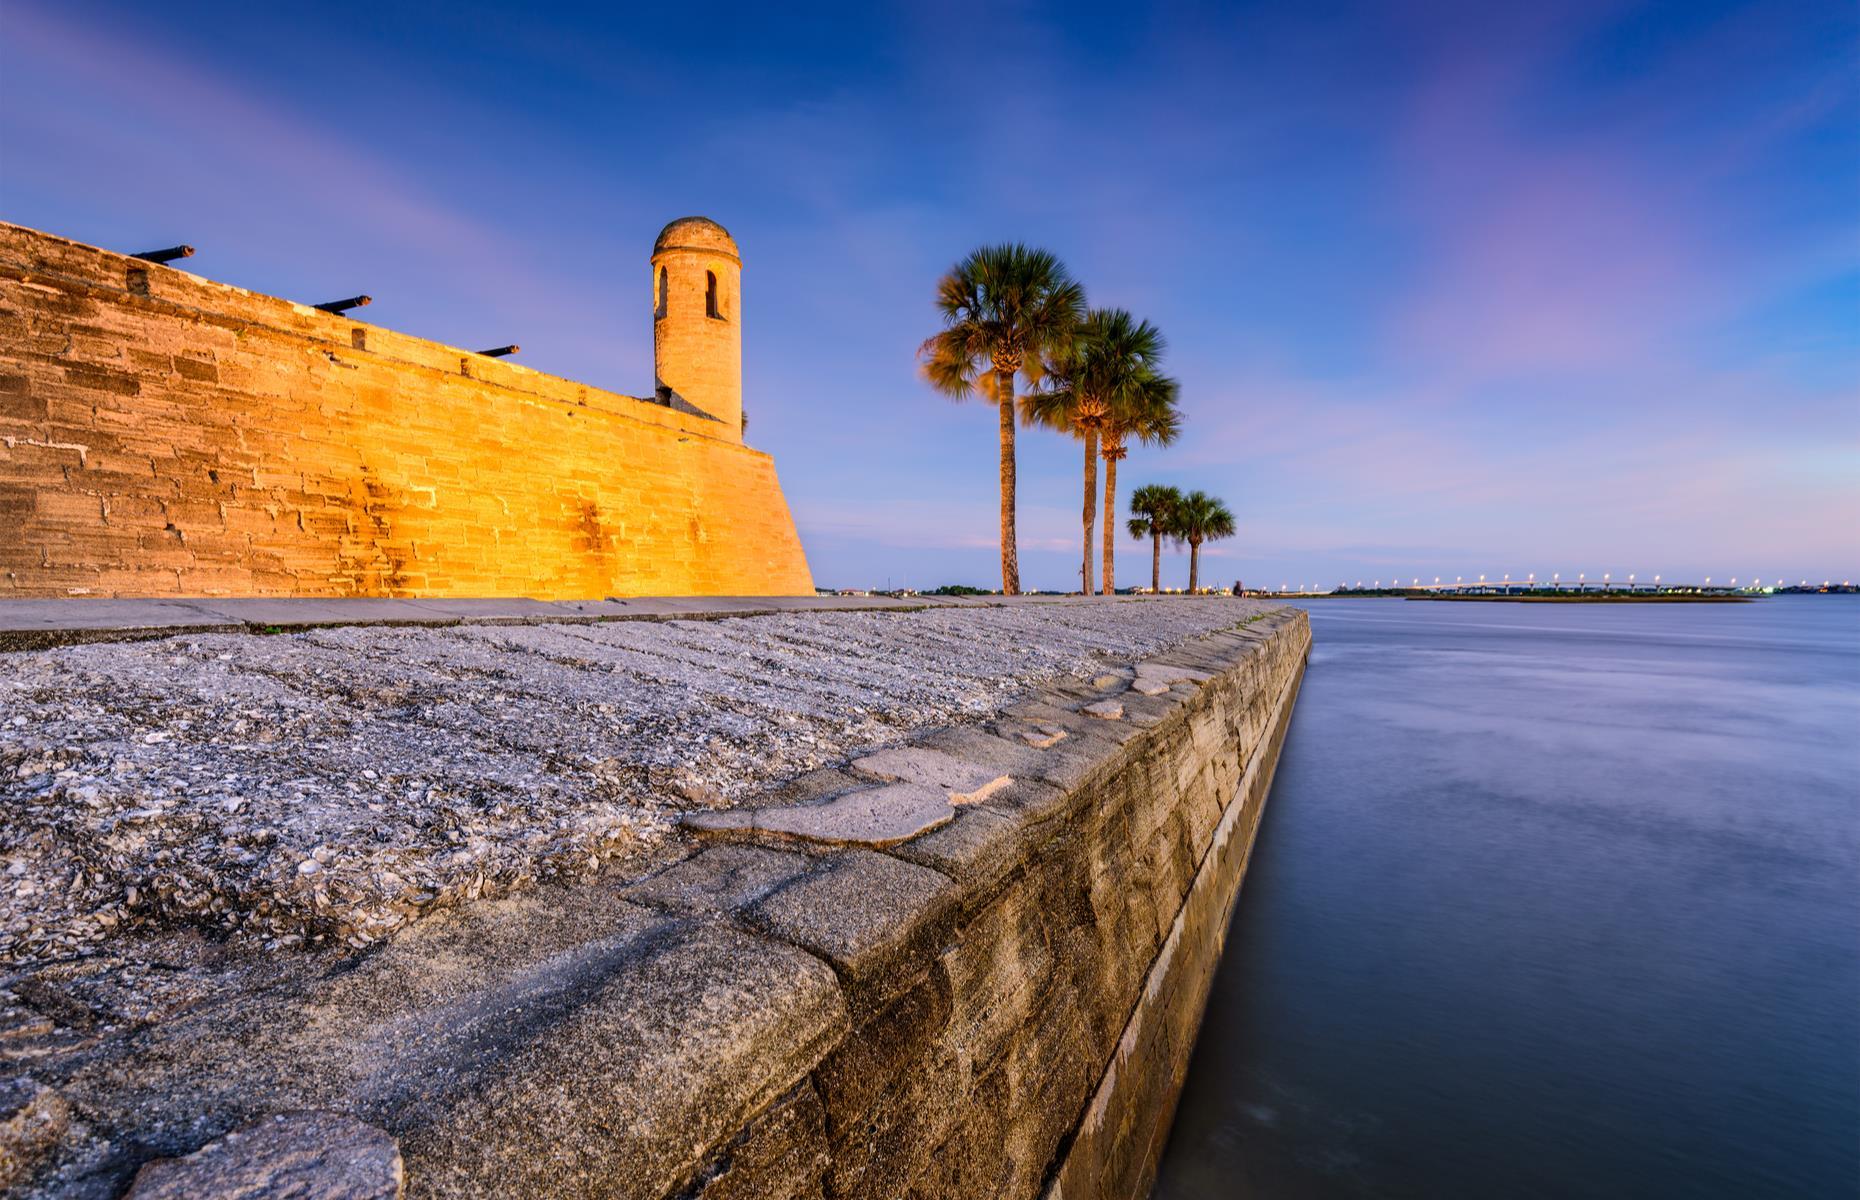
(38, 624)
(372, 771)
(35, 624)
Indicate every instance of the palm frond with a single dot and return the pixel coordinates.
(1000, 303)
(1051, 408)
(1201, 518)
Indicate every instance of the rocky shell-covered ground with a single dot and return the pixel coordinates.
(328, 786)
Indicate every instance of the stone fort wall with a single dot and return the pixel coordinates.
(166, 435)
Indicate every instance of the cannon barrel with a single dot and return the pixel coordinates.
(500, 351)
(168, 255)
(342, 306)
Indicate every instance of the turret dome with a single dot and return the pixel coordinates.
(695, 233)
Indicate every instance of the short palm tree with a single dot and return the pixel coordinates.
(1147, 414)
(1005, 310)
(1200, 518)
(1153, 507)
(1107, 375)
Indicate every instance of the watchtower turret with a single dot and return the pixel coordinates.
(697, 331)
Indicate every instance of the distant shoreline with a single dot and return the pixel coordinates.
(1602, 598)
(1534, 598)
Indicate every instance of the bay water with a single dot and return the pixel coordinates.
(1549, 900)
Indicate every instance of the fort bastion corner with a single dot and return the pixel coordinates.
(162, 434)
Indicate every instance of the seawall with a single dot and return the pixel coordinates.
(166, 435)
(972, 964)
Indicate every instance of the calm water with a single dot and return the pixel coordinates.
(1548, 901)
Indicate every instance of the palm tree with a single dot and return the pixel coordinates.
(1107, 375)
(1153, 507)
(1148, 414)
(1200, 518)
(1005, 310)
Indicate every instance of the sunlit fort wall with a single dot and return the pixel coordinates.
(165, 435)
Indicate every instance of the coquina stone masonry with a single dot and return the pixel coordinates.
(165, 435)
(968, 966)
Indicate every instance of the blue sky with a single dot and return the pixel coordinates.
(1451, 288)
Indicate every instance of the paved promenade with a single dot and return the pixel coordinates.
(385, 758)
(26, 624)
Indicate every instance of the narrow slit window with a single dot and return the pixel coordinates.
(710, 295)
(658, 299)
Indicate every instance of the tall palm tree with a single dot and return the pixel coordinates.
(1005, 310)
(1153, 508)
(1107, 375)
(1149, 415)
(1200, 518)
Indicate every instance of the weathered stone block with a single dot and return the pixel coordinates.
(33, 1118)
(720, 879)
(963, 780)
(783, 1155)
(872, 816)
(876, 918)
(292, 1156)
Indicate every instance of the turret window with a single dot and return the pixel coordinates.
(658, 298)
(710, 296)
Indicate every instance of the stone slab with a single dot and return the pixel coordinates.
(965, 781)
(720, 879)
(1155, 678)
(978, 846)
(866, 913)
(622, 1096)
(291, 1156)
(876, 817)
(989, 753)
(33, 1118)
(37, 615)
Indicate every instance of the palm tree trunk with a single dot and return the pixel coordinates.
(1010, 552)
(1110, 526)
(1194, 566)
(1091, 502)
(1155, 560)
